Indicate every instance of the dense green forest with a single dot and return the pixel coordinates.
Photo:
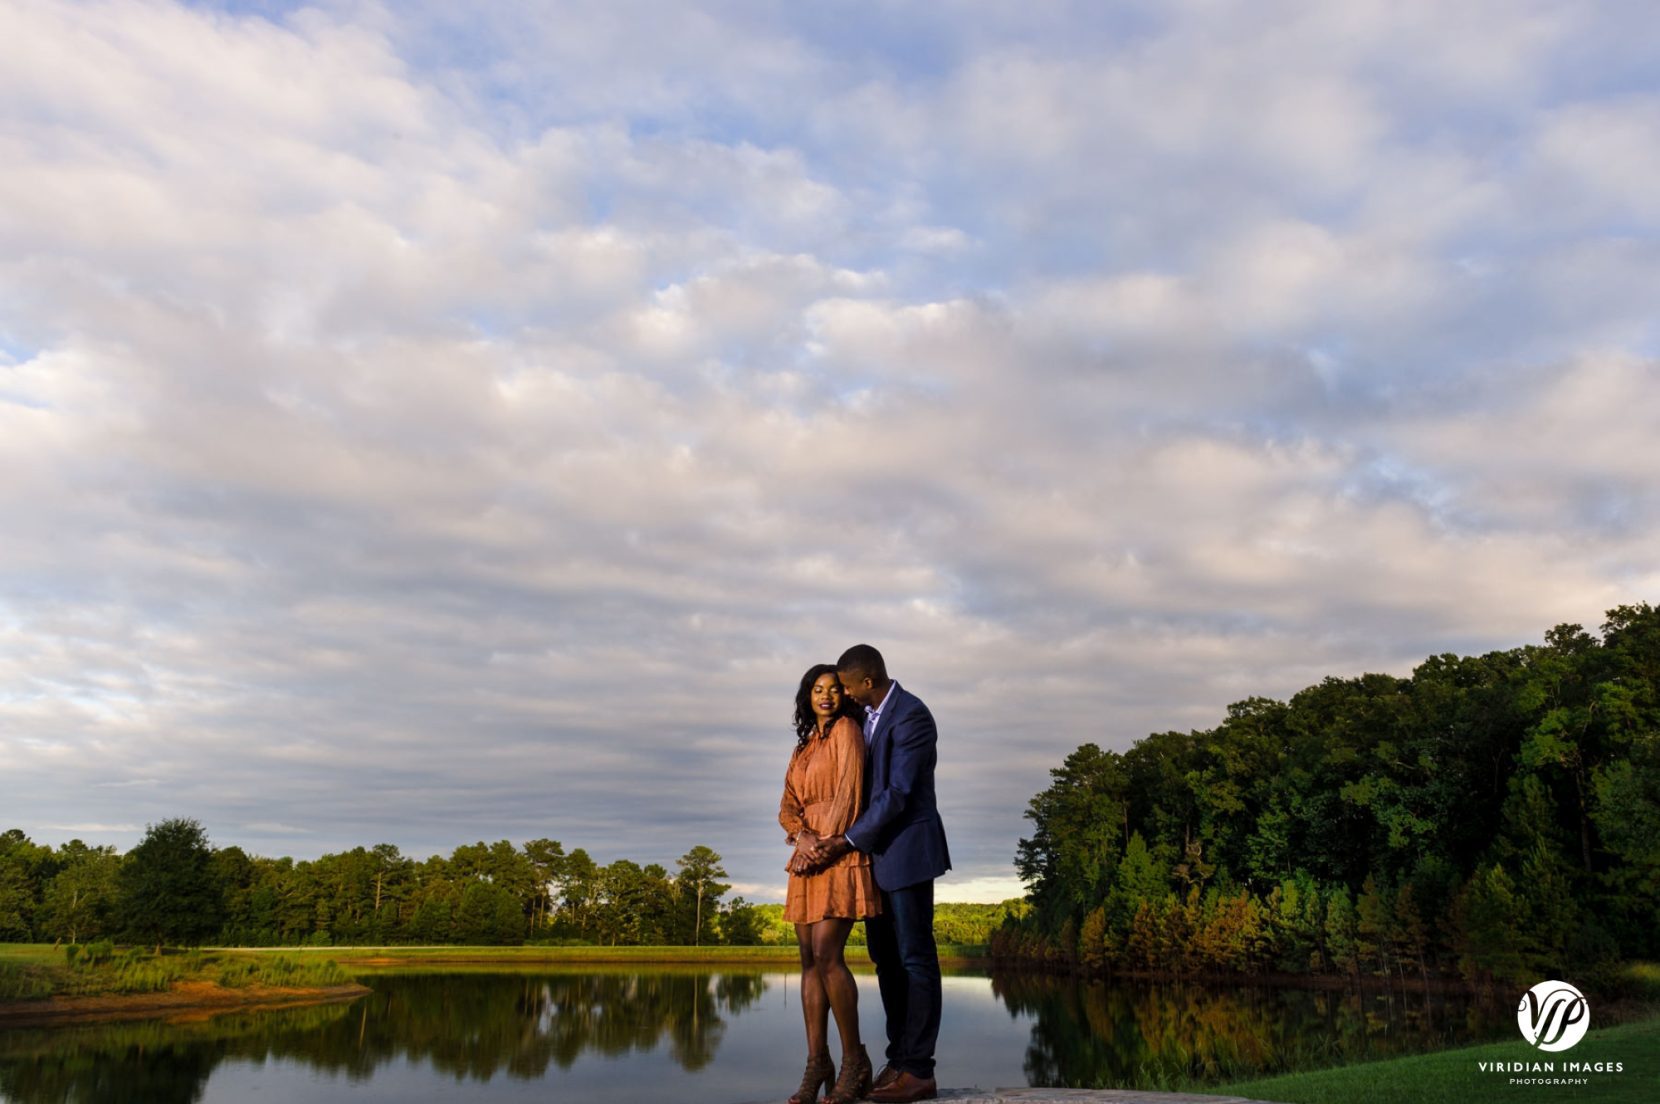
(175, 888)
(1495, 817)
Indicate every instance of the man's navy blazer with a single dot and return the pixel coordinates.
(900, 826)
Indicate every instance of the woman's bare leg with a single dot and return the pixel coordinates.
(815, 1008)
(829, 941)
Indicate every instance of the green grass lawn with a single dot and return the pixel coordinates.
(29, 954)
(1454, 1077)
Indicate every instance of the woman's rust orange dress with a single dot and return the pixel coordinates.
(821, 792)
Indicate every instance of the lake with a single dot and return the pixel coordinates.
(706, 1037)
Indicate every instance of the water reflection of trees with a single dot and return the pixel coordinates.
(1163, 1036)
(137, 1062)
(477, 1026)
(466, 1026)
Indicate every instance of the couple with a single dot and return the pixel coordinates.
(859, 810)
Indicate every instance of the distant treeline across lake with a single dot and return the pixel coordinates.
(1491, 817)
(174, 887)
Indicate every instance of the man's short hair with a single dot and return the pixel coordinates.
(864, 661)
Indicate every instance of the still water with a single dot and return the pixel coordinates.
(704, 1037)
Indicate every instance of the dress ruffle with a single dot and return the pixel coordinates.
(848, 892)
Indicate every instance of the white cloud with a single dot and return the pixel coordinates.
(502, 416)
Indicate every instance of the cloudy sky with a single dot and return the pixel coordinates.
(427, 423)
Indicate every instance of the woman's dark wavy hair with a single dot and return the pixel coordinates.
(806, 722)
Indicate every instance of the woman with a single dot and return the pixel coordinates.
(822, 790)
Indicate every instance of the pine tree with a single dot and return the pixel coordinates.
(1342, 942)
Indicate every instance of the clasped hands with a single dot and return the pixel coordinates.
(813, 851)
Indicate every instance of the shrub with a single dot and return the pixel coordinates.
(281, 972)
(23, 983)
(135, 974)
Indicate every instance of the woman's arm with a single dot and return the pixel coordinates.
(847, 747)
(791, 814)
(790, 809)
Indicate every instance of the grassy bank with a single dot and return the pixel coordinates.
(34, 972)
(1456, 1077)
(39, 971)
(770, 957)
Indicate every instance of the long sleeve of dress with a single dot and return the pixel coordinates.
(847, 745)
(790, 810)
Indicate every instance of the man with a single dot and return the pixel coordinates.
(901, 831)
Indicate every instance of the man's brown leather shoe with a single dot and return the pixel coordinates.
(904, 1089)
(885, 1077)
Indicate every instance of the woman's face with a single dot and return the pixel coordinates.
(826, 696)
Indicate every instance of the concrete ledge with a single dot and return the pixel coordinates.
(1085, 1096)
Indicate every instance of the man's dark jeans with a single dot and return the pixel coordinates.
(901, 944)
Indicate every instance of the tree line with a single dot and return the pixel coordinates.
(174, 887)
(1492, 817)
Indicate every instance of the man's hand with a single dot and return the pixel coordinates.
(829, 850)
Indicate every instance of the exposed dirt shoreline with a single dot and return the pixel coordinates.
(186, 1000)
(787, 958)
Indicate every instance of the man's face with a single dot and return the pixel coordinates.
(858, 687)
